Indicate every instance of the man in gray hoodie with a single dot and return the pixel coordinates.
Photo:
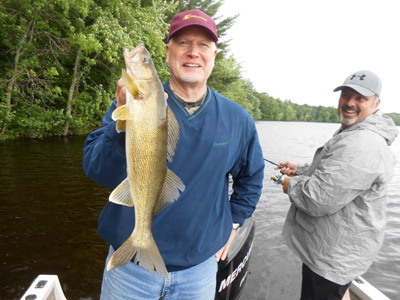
(337, 217)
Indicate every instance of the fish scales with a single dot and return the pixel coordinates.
(152, 133)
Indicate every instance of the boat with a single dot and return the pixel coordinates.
(232, 275)
(44, 287)
(360, 289)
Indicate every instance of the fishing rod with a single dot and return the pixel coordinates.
(271, 162)
(278, 178)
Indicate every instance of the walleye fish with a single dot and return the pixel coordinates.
(152, 134)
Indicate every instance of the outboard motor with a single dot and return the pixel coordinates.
(233, 271)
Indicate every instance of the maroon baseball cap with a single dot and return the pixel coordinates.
(193, 17)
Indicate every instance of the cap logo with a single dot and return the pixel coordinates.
(186, 17)
(360, 76)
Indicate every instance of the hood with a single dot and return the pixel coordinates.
(378, 123)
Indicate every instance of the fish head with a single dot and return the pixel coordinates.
(142, 73)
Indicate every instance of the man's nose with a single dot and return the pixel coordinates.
(352, 100)
(193, 50)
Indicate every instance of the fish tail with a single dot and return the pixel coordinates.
(147, 256)
(123, 255)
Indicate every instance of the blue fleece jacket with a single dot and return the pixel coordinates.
(219, 139)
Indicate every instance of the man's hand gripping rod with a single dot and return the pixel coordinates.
(278, 178)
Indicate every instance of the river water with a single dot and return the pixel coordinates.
(49, 211)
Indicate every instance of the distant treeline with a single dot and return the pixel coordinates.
(277, 110)
(395, 117)
(60, 61)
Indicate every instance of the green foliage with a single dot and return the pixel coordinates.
(395, 117)
(277, 110)
(60, 61)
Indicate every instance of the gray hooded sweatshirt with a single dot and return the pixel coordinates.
(337, 218)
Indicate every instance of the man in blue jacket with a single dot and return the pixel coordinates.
(218, 138)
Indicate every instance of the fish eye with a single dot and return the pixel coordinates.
(146, 60)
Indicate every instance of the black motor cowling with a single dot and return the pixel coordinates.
(233, 271)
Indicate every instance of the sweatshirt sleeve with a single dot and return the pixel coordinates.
(104, 153)
(247, 174)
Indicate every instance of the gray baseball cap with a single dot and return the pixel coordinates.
(365, 82)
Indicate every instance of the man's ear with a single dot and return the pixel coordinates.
(167, 52)
(377, 103)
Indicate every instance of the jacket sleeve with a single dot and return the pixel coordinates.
(346, 170)
(104, 153)
(303, 168)
(247, 174)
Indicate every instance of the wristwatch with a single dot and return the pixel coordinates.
(236, 226)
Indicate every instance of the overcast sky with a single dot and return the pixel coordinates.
(300, 50)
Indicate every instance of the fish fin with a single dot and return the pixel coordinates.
(121, 194)
(170, 191)
(130, 84)
(147, 255)
(121, 113)
(121, 125)
(173, 134)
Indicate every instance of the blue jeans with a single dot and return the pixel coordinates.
(131, 282)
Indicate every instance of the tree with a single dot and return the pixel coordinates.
(61, 60)
(99, 37)
(19, 29)
(395, 117)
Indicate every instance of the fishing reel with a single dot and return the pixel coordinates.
(279, 178)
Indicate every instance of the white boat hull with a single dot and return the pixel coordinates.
(363, 290)
(45, 287)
